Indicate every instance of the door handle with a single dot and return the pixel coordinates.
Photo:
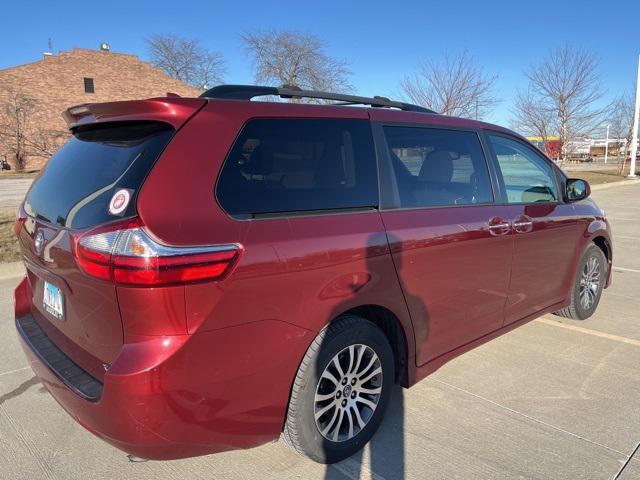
(523, 224)
(498, 226)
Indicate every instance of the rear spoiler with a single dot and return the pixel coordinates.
(172, 110)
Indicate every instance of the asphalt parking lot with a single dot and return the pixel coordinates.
(553, 399)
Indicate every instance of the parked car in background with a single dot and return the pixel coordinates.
(218, 272)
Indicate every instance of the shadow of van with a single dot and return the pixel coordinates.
(384, 455)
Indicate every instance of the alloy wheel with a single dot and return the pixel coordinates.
(589, 283)
(348, 393)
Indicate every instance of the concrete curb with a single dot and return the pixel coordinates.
(621, 183)
(11, 270)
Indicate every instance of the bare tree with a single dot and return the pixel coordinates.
(21, 135)
(532, 117)
(186, 60)
(455, 86)
(568, 84)
(45, 142)
(14, 119)
(297, 59)
(621, 117)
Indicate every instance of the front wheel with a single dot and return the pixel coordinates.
(587, 286)
(341, 391)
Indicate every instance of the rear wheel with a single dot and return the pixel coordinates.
(587, 286)
(341, 391)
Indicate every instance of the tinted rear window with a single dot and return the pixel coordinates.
(299, 165)
(78, 182)
(435, 167)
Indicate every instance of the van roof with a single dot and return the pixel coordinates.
(176, 110)
(378, 107)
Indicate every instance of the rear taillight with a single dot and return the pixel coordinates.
(21, 218)
(124, 253)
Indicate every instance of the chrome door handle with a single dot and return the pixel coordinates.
(523, 224)
(498, 226)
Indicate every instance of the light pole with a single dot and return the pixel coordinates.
(634, 140)
(606, 146)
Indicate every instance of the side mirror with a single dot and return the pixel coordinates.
(577, 189)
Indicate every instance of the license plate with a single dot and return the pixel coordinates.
(53, 302)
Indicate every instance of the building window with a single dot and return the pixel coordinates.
(88, 85)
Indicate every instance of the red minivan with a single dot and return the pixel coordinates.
(207, 274)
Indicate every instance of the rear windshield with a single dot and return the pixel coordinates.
(75, 188)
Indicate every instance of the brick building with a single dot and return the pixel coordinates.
(56, 82)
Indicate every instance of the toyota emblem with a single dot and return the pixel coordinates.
(38, 242)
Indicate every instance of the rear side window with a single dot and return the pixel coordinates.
(78, 182)
(299, 165)
(436, 167)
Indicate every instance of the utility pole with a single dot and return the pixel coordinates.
(634, 141)
(606, 146)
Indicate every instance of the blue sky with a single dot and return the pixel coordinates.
(383, 41)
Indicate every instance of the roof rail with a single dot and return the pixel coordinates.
(247, 92)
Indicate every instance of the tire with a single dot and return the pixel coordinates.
(314, 394)
(592, 269)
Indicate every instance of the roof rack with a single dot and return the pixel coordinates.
(247, 92)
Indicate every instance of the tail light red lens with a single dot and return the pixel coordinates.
(124, 253)
(21, 218)
(173, 269)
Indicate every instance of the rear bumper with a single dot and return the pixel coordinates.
(67, 371)
(181, 396)
(106, 417)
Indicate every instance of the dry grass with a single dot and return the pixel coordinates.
(25, 174)
(597, 177)
(9, 251)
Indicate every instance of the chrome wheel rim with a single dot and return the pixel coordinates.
(348, 393)
(589, 283)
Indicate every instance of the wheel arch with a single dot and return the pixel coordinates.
(393, 329)
(603, 242)
(391, 325)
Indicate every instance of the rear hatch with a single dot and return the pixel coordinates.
(92, 180)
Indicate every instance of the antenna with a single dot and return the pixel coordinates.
(50, 45)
